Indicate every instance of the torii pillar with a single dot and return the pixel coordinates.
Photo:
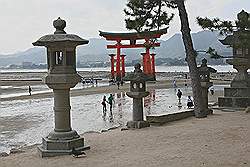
(118, 61)
(112, 64)
(123, 65)
(144, 60)
(153, 64)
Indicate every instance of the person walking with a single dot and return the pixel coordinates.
(174, 84)
(179, 94)
(118, 85)
(212, 91)
(30, 90)
(110, 101)
(104, 107)
(190, 102)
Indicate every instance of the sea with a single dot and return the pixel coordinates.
(219, 68)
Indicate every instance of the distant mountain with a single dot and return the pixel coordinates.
(174, 48)
(35, 55)
(96, 50)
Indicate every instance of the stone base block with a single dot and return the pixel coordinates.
(50, 148)
(202, 114)
(247, 110)
(209, 111)
(240, 83)
(235, 102)
(237, 92)
(169, 117)
(137, 124)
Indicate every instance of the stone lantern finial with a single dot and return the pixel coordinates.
(243, 16)
(59, 25)
(204, 62)
(137, 68)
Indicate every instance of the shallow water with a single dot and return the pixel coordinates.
(219, 68)
(15, 91)
(25, 122)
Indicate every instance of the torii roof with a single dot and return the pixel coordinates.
(133, 35)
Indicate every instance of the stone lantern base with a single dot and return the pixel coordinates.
(50, 148)
(137, 124)
(238, 95)
(235, 97)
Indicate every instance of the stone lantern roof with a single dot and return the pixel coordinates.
(205, 69)
(239, 38)
(60, 36)
(137, 75)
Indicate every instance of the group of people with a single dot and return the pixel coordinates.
(118, 83)
(189, 99)
(104, 105)
(190, 103)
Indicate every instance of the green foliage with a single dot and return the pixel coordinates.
(239, 28)
(225, 27)
(146, 15)
(213, 53)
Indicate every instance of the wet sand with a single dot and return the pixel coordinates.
(220, 140)
(20, 82)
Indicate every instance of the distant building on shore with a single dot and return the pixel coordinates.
(27, 64)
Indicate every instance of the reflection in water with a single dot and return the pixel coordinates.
(149, 101)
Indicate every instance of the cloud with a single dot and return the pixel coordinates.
(24, 21)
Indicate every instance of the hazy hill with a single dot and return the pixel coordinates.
(96, 50)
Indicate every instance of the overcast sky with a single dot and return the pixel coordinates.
(24, 21)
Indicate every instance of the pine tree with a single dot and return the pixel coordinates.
(226, 27)
(145, 15)
(241, 25)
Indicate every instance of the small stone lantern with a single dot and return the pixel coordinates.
(137, 92)
(62, 75)
(205, 71)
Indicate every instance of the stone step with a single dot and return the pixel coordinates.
(237, 92)
(168, 117)
(236, 102)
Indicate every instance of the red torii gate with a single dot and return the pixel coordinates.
(148, 59)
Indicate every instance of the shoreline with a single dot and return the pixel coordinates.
(164, 84)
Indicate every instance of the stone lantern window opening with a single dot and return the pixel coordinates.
(247, 52)
(141, 85)
(59, 57)
(134, 86)
(239, 51)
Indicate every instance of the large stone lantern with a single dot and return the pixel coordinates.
(137, 92)
(204, 72)
(238, 94)
(62, 75)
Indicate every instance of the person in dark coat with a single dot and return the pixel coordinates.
(30, 90)
(179, 94)
(104, 106)
(190, 102)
